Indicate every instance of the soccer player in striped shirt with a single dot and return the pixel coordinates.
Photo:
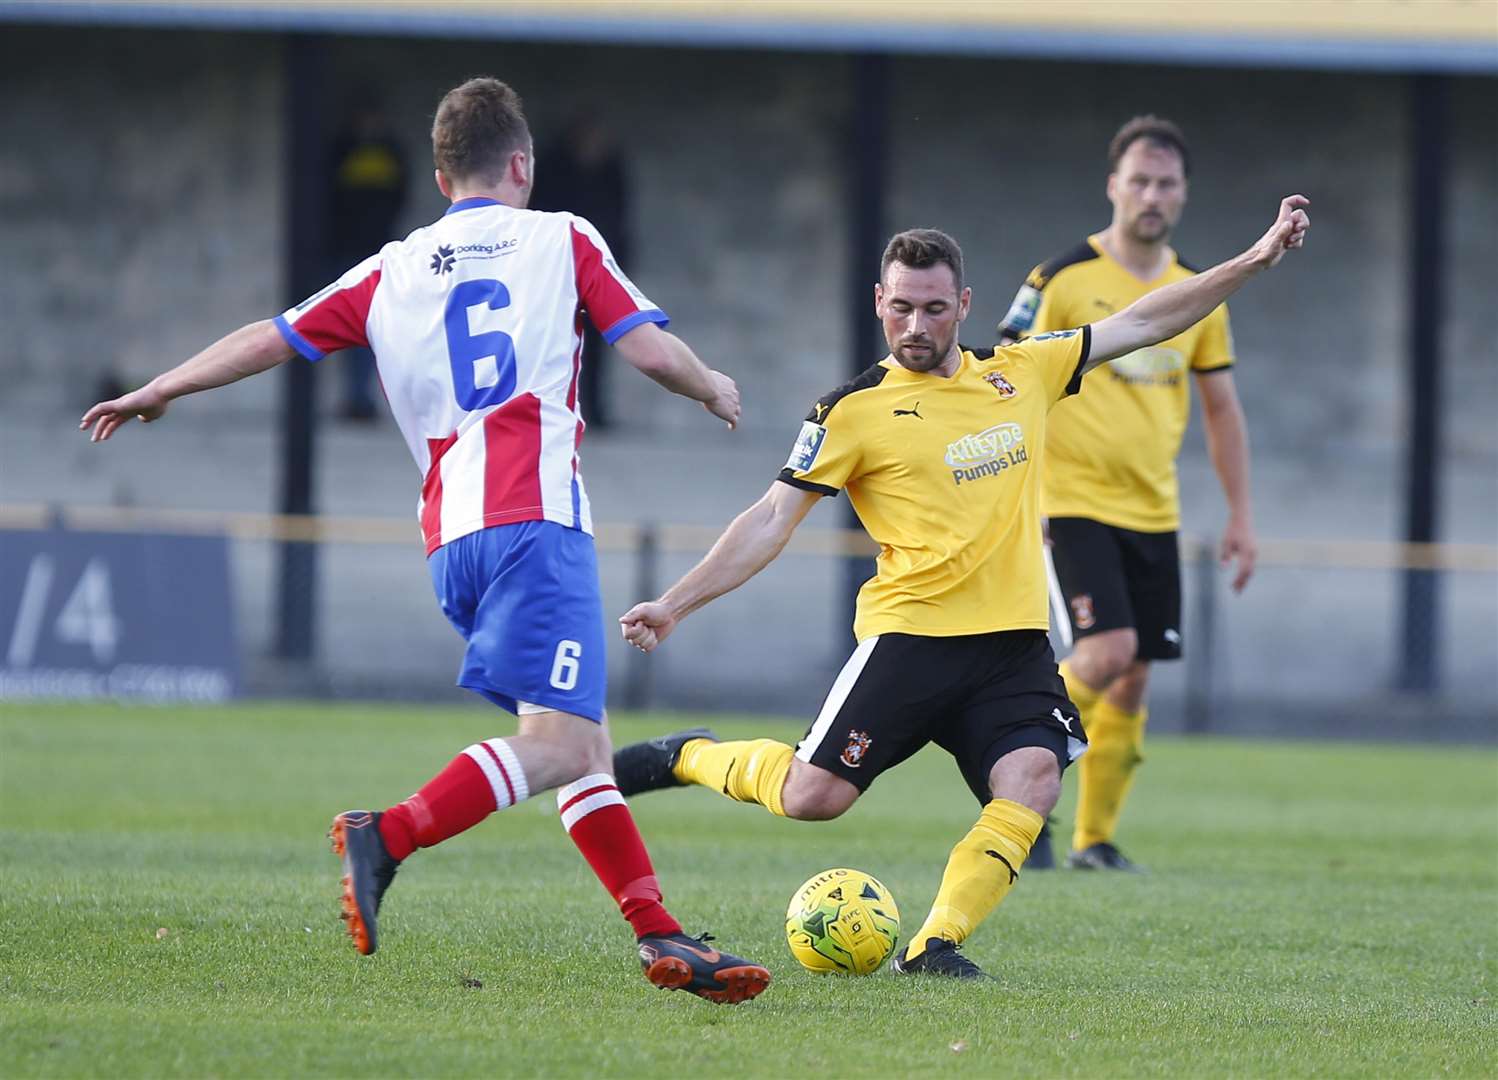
(476, 326)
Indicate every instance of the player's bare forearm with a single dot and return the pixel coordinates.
(749, 544)
(247, 351)
(1166, 312)
(668, 360)
(1227, 444)
(746, 547)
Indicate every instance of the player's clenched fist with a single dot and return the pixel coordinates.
(647, 625)
(1287, 232)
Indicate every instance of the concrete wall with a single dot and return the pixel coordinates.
(140, 217)
(734, 165)
(142, 213)
(1322, 339)
(140, 203)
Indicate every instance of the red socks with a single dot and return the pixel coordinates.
(600, 824)
(482, 779)
(487, 777)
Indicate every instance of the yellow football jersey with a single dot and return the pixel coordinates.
(944, 474)
(1111, 450)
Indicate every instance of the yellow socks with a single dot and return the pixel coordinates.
(979, 873)
(1114, 738)
(749, 771)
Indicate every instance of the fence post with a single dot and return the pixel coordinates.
(1201, 650)
(1420, 652)
(639, 693)
(866, 155)
(305, 83)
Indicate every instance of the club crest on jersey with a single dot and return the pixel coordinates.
(858, 745)
(996, 380)
(1082, 616)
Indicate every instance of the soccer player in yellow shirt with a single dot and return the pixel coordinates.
(1108, 486)
(940, 449)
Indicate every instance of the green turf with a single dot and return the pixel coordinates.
(1313, 910)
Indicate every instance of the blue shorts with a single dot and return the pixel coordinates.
(525, 598)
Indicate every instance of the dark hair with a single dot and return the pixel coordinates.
(477, 127)
(1155, 129)
(923, 248)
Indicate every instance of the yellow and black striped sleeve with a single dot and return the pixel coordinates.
(1214, 349)
(827, 453)
(1059, 356)
(1038, 307)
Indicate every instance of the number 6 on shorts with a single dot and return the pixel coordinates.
(564, 667)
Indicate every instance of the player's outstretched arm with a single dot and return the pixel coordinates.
(1165, 312)
(247, 351)
(746, 547)
(669, 361)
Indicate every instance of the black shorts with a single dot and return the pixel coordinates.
(977, 696)
(1117, 579)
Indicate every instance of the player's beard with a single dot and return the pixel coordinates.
(1150, 227)
(938, 351)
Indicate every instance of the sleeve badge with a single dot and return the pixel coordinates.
(808, 446)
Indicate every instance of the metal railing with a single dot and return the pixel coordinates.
(652, 552)
(620, 537)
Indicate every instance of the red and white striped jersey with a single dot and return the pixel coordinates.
(476, 326)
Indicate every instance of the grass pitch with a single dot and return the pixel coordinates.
(168, 908)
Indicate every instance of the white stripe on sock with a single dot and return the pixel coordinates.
(485, 761)
(512, 766)
(583, 807)
(587, 783)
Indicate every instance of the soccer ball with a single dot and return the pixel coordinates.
(842, 920)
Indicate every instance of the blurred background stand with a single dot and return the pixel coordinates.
(367, 181)
(584, 172)
(773, 148)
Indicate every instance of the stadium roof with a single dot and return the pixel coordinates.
(1390, 35)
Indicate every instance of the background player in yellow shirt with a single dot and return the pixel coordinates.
(940, 449)
(1109, 484)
